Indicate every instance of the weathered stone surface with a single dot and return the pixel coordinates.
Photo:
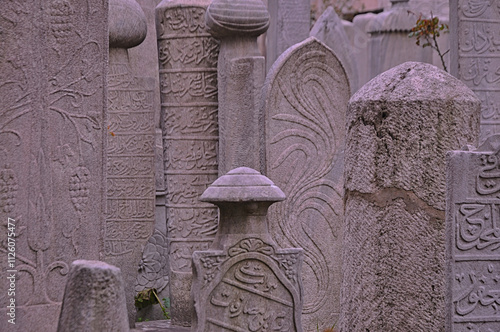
(305, 101)
(290, 24)
(188, 88)
(329, 30)
(240, 76)
(130, 137)
(53, 59)
(244, 282)
(473, 238)
(94, 299)
(400, 126)
(475, 57)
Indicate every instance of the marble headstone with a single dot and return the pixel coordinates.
(473, 239)
(304, 105)
(94, 299)
(53, 59)
(244, 282)
(475, 56)
(188, 89)
(400, 126)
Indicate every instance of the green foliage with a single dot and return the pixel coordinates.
(149, 297)
(426, 31)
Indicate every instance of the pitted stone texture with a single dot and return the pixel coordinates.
(400, 126)
(329, 30)
(472, 238)
(305, 102)
(244, 282)
(127, 24)
(94, 299)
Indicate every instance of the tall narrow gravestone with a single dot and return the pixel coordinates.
(130, 138)
(53, 59)
(475, 56)
(188, 91)
(400, 125)
(305, 102)
(473, 239)
(245, 282)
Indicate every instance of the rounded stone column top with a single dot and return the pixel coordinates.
(127, 24)
(242, 184)
(237, 17)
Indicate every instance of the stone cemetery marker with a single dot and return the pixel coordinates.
(473, 239)
(130, 136)
(94, 299)
(475, 56)
(305, 101)
(400, 126)
(290, 24)
(53, 59)
(329, 30)
(188, 90)
(244, 282)
(241, 74)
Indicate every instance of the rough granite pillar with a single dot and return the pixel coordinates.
(188, 88)
(400, 126)
(475, 56)
(289, 24)
(53, 64)
(241, 74)
(473, 238)
(244, 282)
(304, 104)
(94, 299)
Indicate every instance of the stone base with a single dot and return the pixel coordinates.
(158, 326)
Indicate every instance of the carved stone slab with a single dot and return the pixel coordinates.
(473, 239)
(53, 59)
(188, 89)
(244, 282)
(475, 56)
(306, 95)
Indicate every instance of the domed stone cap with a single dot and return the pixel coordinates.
(127, 24)
(237, 17)
(242, 184)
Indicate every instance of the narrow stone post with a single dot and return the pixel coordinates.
(400, 126)
(241, 74)
(94, 299)
(244, 282)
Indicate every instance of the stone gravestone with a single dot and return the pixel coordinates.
(130, 179)
(473, 239)
(400, 126)
(244, 282)
(188, 90)
(290, 24)
(329, 30)
(305, 101)
(94, 299)
(475, 56)
(53, 62)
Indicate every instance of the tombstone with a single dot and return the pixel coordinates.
(53, 62)
(130, 179)
(290, 24)
(304, 105)
(94, 299)
(472, 239)
(241, 74)
(188, 90)
(329, 29)
(399, 131)
(474, 57)
(244, 282)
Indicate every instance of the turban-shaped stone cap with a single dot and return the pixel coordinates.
(242, 184)
(237, 17)
(127, 24)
